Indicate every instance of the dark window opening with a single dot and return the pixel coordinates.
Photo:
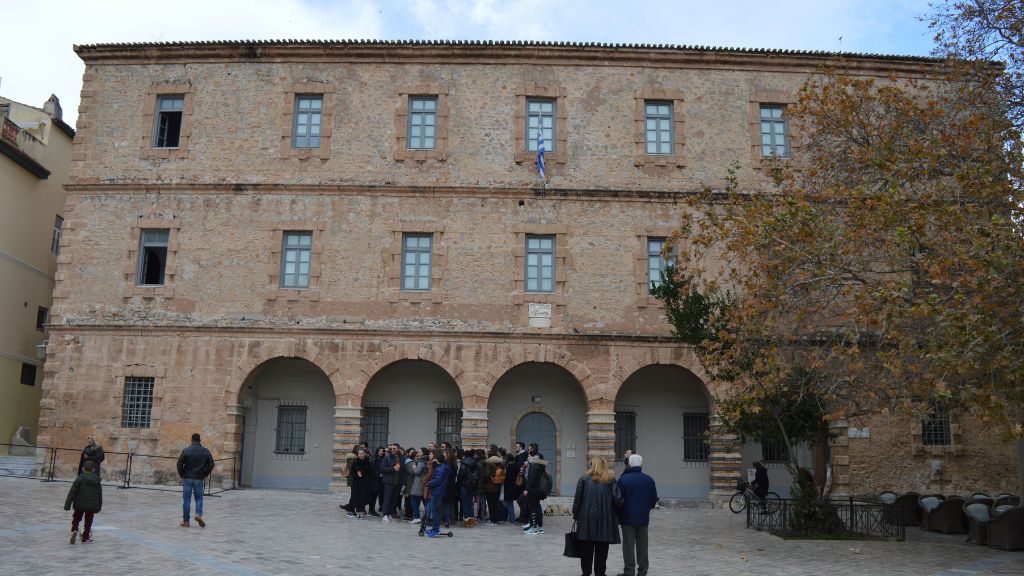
(625, 432)
(168, 121)
(449, 425)
(41, 316)
(137, 404)
(375, 425)
(28, 374)
(291, 430)
(152, 257)
(774, 451)
(695, 436)
(935, 426)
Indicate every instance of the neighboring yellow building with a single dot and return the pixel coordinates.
(35, 153)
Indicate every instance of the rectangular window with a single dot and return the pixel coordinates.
(169, 113)
(422, 123)
(295, 259)
(774, 131)
(695, 437)
(774, 451)
(58, 225)
(658, 127)
(416, 253)
(28, 374)
(625, 432)
(540, 115)
(449, 424)
(656, 261)
(375, 426)
(935, 426)
(540, 263)
(137, 406)
(152, 257)
(291, 430)
(41, 316)
(308, 113)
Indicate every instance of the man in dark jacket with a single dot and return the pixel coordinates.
(86, 495)
(512, 490)
(390, 467)
(194, 465)
(639, 496)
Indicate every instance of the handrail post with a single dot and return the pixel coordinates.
(127, 466)
(234, 471)
(53, 464)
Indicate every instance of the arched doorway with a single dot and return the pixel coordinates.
(537, 391)
(412, 402)
(662, 412)
(289, 426)
(540, 428)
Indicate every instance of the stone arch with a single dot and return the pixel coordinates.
(434, 353)
(261, 353)
(543, 354)
(631, 362)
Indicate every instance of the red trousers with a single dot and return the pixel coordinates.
(78, 518)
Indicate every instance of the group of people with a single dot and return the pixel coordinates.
(440, 485)
(86, 494)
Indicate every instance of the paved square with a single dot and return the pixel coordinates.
(255, 532)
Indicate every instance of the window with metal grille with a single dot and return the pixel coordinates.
(658, 127)
(625, 432)
(58, 226)
(152, 257)
(774, 451)
(137, 405)
(935, 426)
(375, 425)
(295, 259)
(449, 424)
(308, 114)
(422, 123)
(540, 263)
(695, 436)
(169, 112)
(774, 131)
(291, 429)
(540, 115)
(416, 254)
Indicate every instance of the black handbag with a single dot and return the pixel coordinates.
(572, 550)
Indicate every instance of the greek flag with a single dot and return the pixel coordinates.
(540, 152)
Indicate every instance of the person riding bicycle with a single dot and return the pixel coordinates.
(760, 484)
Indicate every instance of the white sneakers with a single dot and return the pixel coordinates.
(415, 521)
(386, 518)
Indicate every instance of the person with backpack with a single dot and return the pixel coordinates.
(467, 481)
(493, 479)
(533, 490)
(514, 482)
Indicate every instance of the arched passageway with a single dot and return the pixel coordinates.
(412, 402)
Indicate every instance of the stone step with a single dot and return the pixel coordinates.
(18, 466)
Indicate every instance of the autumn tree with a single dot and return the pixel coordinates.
(884, 263)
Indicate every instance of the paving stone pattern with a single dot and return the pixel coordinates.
(254, 532)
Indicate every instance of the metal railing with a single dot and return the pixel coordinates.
(838, 517)
(121, 469)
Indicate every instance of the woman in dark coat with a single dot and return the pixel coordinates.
(593, 509)
(362, 473)
(92, 452)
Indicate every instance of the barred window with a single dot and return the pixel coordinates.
(375, 425)
(935, 426)
(449, 424)
(137, 405)
(625, 432)
(291, 429)
(695, 436)
(774, 451)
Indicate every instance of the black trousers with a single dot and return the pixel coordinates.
(593, 555)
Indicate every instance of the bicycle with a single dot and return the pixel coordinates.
(744, 495)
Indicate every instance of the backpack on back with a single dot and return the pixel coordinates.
(545, 485)
(499, 475)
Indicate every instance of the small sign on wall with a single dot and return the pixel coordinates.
(858, 432)
(540, 315)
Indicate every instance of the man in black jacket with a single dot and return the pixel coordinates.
(194, 465)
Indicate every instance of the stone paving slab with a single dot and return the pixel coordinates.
(263, 532)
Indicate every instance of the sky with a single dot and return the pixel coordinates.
(37, 59)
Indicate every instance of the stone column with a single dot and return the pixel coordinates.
(348, 425)
(840, 457)
(474, 428)
(601, 436)
(725, 461)
(231, 445)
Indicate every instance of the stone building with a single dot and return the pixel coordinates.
(35, 154)
(292, 246)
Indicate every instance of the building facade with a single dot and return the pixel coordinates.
(293, 246)
(35, 155)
